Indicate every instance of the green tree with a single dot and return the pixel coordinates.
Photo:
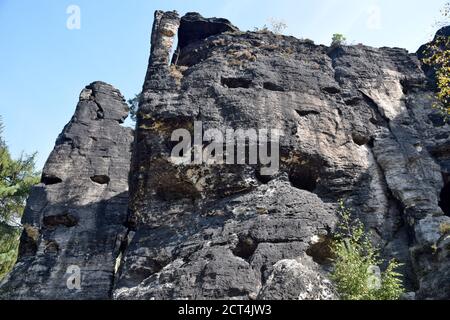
(437, 55)
(9, 242)
(338, 39)
(16, 179)
(356, 261)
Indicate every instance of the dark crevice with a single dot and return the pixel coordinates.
(28, 241)
(245, 248)
(236, 82)
(444, 202)
(304, 113)
(124, 242)
(100, 111)
(264, 274)
(304, 178)
(194, 28)
(353, 101)
(236, 292)
(50, 180)
(264, 179)
(437, 119)
(100, 179)
(65, 219)
(381, 119)
(331, 89)
(360, 139)
(404, 86)
(273, 87)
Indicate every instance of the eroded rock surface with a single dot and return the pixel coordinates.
(77, 215)
(357, 123)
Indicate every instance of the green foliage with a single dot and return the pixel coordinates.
(9, 242)
(134, 106)
(437, 56)
(355, 260)
(338, 40)
(16, 179)
(2, 143)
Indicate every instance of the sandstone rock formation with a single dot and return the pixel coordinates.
(77, 215)
(358, 124)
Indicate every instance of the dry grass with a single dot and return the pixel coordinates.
(444, 228)
(219, 42)
(239, 57)
(32, 232)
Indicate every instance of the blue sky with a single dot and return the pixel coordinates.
(44, 65)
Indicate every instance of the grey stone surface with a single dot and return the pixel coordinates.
(298, 279)
(358, 125)
(77, 215)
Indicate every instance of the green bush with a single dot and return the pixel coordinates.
(355, 259)
(16, 179)
(9, 242)
(338, 40)
(438, 56)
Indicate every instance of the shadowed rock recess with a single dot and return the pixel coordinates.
(358, 124)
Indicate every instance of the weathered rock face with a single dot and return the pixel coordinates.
(357, 124)
(77, 215)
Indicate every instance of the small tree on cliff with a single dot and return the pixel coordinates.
(338, 39)
(277, 26)
(356, 263)
(16, 179)
(437, 55)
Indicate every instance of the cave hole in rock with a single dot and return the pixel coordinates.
(100, 179)
(264, 179)
(50, 180)
(28, 246)
(304, 177)
(352, 101)
(273, 87)
(245, 248)
(331, 89)
(304, 113)
(236, 82)
(444, 202)
(360, 139)
(64, 219)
